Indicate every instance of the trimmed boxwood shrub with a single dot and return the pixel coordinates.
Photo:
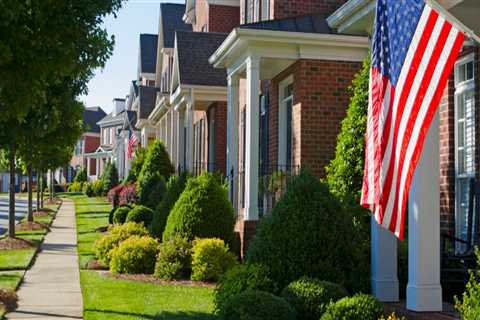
(140, 214)
(240, 279)
(157, 160)
(174, 259)
(307, 234)
(135, 255)
(151, 189)
(257, 305)
(211, 259)
(203, 210)
(120, 214)
(311, 297)
(358, 307)
(175, 187)
(117, 234)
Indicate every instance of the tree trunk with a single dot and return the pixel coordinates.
(30, 194)
(50, 190)
(11, 205)
(42, 188)
(38, 189)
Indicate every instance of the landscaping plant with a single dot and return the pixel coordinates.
(116, 234)
(113, 196)
(75, 187)
(211, 258)
(203, 211)
(311, 297)
(358, 307)
(140, 214)
(175, 187)
(151, 189)
(136, 255)
(136, 166)
(157, 160)
(128, 195)
(469, 305)
(240, 279)
(257, 305)
(81, 176)
(120, 214)
(174, 260)
(109, 177)
(308, 233)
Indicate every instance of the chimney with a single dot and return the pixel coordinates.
(118, 106)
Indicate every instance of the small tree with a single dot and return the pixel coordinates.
(81, 175)
(137, 164)
(157, 160)
(109, 177)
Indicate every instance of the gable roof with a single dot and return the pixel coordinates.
(316, 23)
(193, 51)
(147, 97)
(130, 120)
(171, 17)
(91, 116)
(148, 53)
(111, 119)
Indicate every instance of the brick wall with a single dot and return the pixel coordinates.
(91, 144)
(223, 18)
(220, 115)
(287, 8)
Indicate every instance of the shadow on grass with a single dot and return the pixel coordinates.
(93, 214)
(166, 315)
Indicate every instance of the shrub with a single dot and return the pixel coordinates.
(211, 259)
(151, 189)
(136, 165)
(134, 255)
(358, 307)
(157, 160)
(311, 297)
(117, 234)
(469, 305)
(81, 176)
(307, 234)
(140, 214)
(75, 187)
(128, 195)
(113, 196)
(97, 188)
(240, 279)
(257, 305)
(174, 259)
(392, 316)
(109, 177)
(120, 214)
(203, 210)
(88, 189)
(175, 187)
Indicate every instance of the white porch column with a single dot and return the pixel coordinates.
(97, 169)
(232, 132)
(88, 168)
(384, 264)
(189, 137)
(181, 138)
(424, 292)
(168, 140)
(173, 154)
(252, 121)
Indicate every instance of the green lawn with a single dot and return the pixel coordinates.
(16, 259)
(108, 298)
(10, 280)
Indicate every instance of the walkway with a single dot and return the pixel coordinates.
(51, 288)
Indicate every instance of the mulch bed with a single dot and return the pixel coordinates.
(42, 213)
(31, 226)
(152, 279)
(102, 229)
(9, 243)
(8, 299)
(96, 265)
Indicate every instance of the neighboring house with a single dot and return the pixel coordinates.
(89, 142)
(288, 74)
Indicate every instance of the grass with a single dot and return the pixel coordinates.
(16, 259)
(106, 298)
(10, 280)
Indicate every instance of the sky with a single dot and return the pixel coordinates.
(135, 17)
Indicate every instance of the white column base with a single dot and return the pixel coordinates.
(423, 298)
(385, 290)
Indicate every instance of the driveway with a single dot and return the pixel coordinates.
(21, 207)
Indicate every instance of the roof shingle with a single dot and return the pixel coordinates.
(172, 20)
(147, 97)
(91, 116)
(315, 23)
(148, 52)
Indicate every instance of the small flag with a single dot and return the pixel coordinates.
(132, 141)
(414, 51)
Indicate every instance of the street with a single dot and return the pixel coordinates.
(20, 211)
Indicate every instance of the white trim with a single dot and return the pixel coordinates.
(228, 3)
(282, 119)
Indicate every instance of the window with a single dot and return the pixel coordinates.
(112, 135)
(79, 147)
(265, 10)
(464, 140)
(285, 135)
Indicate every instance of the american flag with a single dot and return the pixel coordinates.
(132, 141)
(414, 50)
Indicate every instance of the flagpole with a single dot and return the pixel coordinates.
(453, 20)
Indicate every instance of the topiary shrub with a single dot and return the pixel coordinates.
(128, 195)
(157, 160)
(175, 187)
(211, 259)
(257, 305)
(469, 305)
(307, 233)
(120, 214)
(311, 297)
(118, 233)
(135, 255)
(203, 210)
(136, 165)
(358, 307)
(174, 259)
(240, 279)
(151, 189)
(140, 214)
(81, 176)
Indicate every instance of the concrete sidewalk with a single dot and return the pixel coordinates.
(51, 288)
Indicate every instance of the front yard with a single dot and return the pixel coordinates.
(108, 298)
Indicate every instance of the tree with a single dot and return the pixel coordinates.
(158, 161)
(109, 177)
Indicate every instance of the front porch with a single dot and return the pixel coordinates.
(99, 159)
